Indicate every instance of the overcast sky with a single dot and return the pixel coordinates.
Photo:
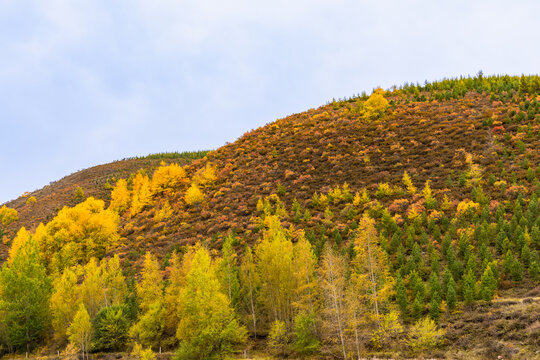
(87, 82)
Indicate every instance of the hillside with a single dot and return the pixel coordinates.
(426, 194)
(96, 181)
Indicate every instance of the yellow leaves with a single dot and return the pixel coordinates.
(194, 195)
(8, 215)
(31, 200)
(467, 206)
(18, 242)
(164, 213)
(149, 288)
(411, 189)
(168, 177)
(120, 197)
(77, 234)
(141, 194)
(375, 106)
(361, 199)
(206, 175)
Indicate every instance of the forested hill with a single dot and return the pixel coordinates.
(400, 223)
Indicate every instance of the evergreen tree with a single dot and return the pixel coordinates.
(401, 296)
(24, 297)
(488, 285)
(451, 294)
(417, 308)
(110, 327)
(468, 287)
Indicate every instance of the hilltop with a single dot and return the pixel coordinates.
(440, 181)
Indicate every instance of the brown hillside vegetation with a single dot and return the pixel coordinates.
(403, 224)
(320, 149)
(96, 181)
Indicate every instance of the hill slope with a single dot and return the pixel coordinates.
(448, 173)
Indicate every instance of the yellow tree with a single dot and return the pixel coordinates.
(77, 234)
(172, 293)
(80, 331)
(249, 286)
(304, 266)
(332, 283)
(149, 289)
(8, 215)
(193, 195)
(63, 302)
(411, 189)
(114, 281)
(375, 106)
(142, 193)
(20, 239)
(227, 271)
(120, 197)
(371, 274)
(208, 325)
(274, 254)
(92, 289)
(168, 177)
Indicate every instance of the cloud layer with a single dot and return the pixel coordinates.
(88, 82)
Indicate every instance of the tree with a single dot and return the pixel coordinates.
(488, 284)
(278, 337)
(63, 302)
(468, 287)
(8, 215)
(20, 239)
(208, 324)
(227, 271)
(120, 197)
(390, 328)
(149, 289)
(24, 297)
(305, 340)
(425, 335)
(411, 189)
(249, 281)
(141, 194)
(92, 289)
(401, 296)
(110, 328)
(149, 328)
(428, 197)
(114, 281)
(77, 234)
(375, 106)
(142, 354)
(304, 266)
(371, 273)
(168, 177)
(80, 330)
(333, 283)
(451, 294)
(194, 195)
(274, 259)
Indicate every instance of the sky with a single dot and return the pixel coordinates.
(84, 83)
